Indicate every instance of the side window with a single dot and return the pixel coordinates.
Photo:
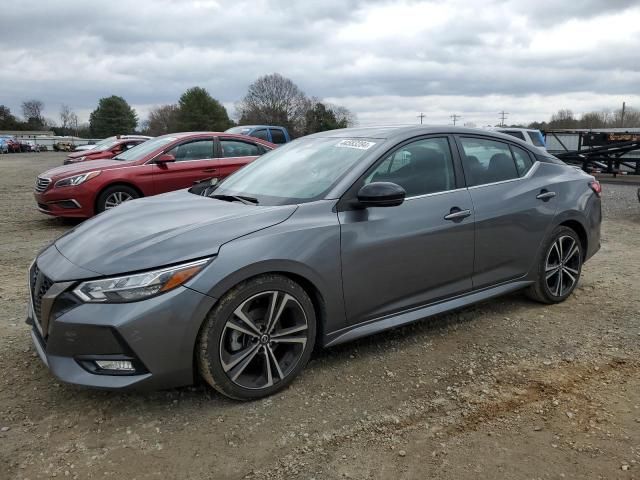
(196, 150)
(487, 161)
(277, 136)
(523, 160)
(261, 134)
(516, 134)
(238, 148)
(420, 167)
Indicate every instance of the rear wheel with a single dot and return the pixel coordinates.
(559, 267)
(114, 196)
(257, 338)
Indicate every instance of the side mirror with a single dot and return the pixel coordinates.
(165, 158)
(381, 194)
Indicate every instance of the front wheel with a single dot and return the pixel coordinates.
(559, 267)
(257, 338)
(114, 196)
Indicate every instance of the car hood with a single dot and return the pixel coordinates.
(79, 153)
(82, 167)
(162, 230)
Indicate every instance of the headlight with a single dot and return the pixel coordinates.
(130, 288)
(76, 179)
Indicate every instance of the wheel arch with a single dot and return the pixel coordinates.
(114, 184)
(580, 230)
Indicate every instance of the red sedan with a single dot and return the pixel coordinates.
(166, 163)
(106, 150)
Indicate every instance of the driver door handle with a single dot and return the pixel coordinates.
(210, 170)
(545, 195)
(457, 214)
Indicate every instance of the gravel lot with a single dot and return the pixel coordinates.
(504, 389)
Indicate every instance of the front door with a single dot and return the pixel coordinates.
(194, 161)
(397, 258)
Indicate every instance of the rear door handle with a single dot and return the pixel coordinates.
(210, 170)
(456, 214)
(545, 195)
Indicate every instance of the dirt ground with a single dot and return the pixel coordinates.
(504, 389)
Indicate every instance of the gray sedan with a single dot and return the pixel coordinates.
(329, 238)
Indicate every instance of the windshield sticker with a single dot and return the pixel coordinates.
(359, 144)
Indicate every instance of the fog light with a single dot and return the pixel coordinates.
(117, 365)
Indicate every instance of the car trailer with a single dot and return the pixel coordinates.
(607, 150)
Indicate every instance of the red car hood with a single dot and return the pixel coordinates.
(82, 167)
(81, 153)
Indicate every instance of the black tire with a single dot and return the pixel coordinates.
(552, 287)
(275, 357)
(104, 200)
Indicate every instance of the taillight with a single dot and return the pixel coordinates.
(596, 187)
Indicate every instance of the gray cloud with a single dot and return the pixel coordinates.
(150, 51)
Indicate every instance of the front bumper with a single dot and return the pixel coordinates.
(159, 334)
(74, 202)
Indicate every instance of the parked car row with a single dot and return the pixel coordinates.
(125, 169)
(9, 144)
(330, 238)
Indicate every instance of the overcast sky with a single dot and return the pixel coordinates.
(386, 61)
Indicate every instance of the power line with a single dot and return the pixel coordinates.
(421, 116)
(503, 116)
(455, 118)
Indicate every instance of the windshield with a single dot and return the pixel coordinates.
(101, 147)
(298, 172)
(140, 151)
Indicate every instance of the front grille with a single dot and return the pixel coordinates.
(39, 285)
(42, 184)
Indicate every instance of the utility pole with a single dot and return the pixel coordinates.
(421, 116)
(503, 116)
(455, 118)
(622, 114)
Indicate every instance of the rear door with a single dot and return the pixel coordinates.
(234, 154)
(514, 203)
(396, 258)
(194, 161)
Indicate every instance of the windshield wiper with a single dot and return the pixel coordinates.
(237, 198)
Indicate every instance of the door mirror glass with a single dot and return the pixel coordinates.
(381, 194)
(166, 158)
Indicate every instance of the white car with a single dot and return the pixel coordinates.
(529, 135)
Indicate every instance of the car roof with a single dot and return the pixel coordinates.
(513, 129)
(257, 126)
(391, 132)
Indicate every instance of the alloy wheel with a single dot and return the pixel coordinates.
(115, 199)
(562, 267)
(263, 340)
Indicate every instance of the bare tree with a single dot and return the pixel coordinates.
(274, 99)
(631, 118)
(593, 120)
(163, 119)
(344, 116)
(65, 117)
(32, 109)
(563, 119)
